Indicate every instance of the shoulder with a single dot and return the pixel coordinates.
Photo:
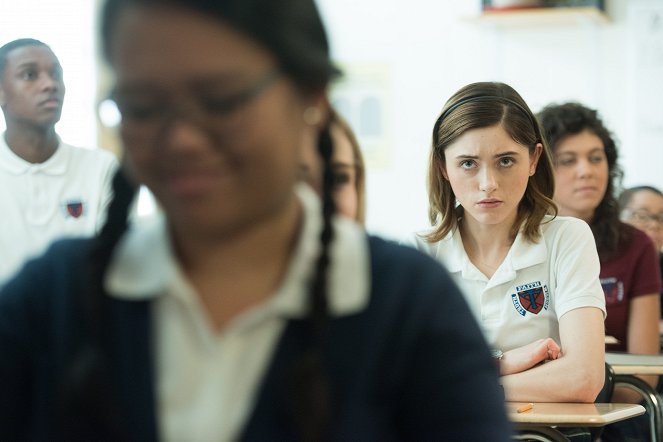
(636, 243)
(565, 230)
(387, 254)
(557, 224)
(91, 155)
(42, 278)
(437, 249)
(637, 237)
(406, 273)
(41, 303)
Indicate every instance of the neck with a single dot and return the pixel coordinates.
(235, 271)
(486, 245)
(32, 143)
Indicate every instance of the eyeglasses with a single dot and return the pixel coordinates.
(643, 217)
(147, 117)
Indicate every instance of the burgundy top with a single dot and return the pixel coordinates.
(632, 273)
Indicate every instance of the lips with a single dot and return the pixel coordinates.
(489, 203)
(51, 102)
(190, 182)
(586, 189)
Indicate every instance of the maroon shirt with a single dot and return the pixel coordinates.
(632, 273)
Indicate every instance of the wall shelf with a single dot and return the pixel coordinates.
(529, 17)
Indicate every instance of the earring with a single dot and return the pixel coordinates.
(312, 116)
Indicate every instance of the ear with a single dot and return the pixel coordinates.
(316, 110)
(534, 158)
(2, 97)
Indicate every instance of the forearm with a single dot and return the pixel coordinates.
(577, 375)
(563, 380)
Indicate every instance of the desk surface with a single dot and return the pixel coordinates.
(624, 363)
(572, 414)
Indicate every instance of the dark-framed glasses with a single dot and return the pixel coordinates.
(643, 217)
(147, 114)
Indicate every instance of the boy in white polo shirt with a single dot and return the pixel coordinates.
(48, 189)
(531, 280)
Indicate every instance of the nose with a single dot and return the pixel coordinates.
(182, 133)
(49, 83)
(585, 169)
(487, 180)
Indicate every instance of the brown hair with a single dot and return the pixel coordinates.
(480, 105)
(360, 170)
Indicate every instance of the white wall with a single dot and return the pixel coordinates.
(432, 48)
(69, 28)
(413, 55)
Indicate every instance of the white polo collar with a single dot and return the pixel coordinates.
(144, 265)
(12, 163)
(522, 253)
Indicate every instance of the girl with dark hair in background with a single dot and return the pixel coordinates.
(586, 177)
(246, 310)
(530, 278)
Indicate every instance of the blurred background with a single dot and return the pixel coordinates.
(402, 60)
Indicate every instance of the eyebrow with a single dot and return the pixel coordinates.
(36, 64)
(196, 82)
(594, 150)
(499, 155)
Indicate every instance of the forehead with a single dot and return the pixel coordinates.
(173, 44)
(580, 143)
(646, 199)
(485, 141)
(24, 55)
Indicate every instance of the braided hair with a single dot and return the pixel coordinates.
(293, 31)
(86, 390)
(310, 403)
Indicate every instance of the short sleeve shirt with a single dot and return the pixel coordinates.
(65, 196)
(633, 272)
(536, 284)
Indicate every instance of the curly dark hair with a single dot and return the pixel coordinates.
(562, 120)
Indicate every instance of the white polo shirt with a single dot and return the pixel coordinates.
(66, 195)
(536, 284)
(207, 381)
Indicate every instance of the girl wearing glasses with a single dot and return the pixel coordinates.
(246, 310)
(530, 278)
(586, 176)
(642, 207)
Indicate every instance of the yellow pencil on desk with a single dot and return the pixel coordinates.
(524, 408)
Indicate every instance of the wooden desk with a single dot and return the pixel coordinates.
(572, 415)
(541, 421)
(627, 367)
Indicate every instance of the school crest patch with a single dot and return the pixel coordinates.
(613, 289)
(532, 297)
(74, 209)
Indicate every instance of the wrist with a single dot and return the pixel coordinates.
(497, 355)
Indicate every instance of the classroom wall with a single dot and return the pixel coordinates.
(405, 59)
(429, 49)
